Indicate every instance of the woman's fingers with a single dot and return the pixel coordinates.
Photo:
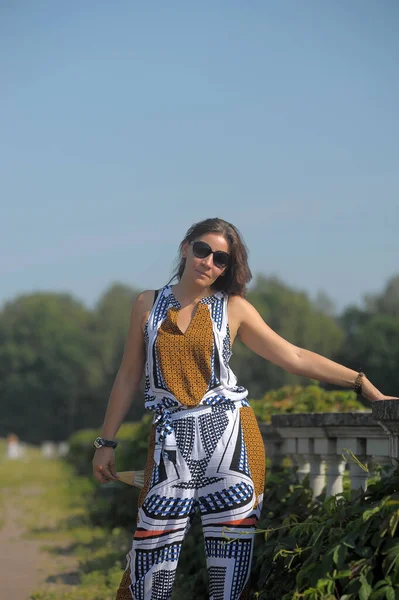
(107, 471)
(113, 471)
(99, 475)
(104, 473)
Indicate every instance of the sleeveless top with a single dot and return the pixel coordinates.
(184, 370)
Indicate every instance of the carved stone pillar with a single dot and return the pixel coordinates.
(358, 476)
(302, 462)
(335, 473)
(317, 474)
(386, 413)
(358, 446)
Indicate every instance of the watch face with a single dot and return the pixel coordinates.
(98, 442)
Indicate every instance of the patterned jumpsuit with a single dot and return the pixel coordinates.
(205, 454)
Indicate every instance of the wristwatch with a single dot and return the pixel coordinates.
(358, 384)
(100, 442)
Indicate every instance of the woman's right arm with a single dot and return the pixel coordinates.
(125, 386)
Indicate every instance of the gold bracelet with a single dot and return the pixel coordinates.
(358, 383)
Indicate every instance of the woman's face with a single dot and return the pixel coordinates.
(203, 270)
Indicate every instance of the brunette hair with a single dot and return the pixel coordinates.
(238, 274)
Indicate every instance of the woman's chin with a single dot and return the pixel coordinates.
(202, 279)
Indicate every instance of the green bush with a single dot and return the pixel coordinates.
(346, 546)
(114, 504)
(81, 450)
(131, 453)
(132, 438)
(309, 399)
(341, 547)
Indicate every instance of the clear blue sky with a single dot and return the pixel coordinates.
(124, 122)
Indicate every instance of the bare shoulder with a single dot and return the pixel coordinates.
(238, 301)
(239, 306)
(238, 310)
(141, 308)
(134, 353)
(145, 300)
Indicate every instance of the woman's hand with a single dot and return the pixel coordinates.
(370, 392)
(104, 465)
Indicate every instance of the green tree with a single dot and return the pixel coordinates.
(47, 365)
(324, 304)
(109, 326)
(372, 338)
(293, 316)
(386, 303)
(374, 348)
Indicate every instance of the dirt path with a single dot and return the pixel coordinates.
(21, 568)
(24, 565)
(49, 549)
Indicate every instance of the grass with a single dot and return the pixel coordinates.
(82, 562)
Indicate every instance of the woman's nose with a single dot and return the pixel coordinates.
(208, 260)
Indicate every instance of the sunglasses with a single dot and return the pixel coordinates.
(202, 250)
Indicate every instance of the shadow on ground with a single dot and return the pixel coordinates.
(71, 578)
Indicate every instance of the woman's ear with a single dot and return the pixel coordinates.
(184, 249)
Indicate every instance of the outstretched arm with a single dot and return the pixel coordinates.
(259, 337)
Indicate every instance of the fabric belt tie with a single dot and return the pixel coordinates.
(163, 419)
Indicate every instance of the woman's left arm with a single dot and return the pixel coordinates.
(259, 337)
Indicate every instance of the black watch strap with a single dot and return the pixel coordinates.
(100, 442)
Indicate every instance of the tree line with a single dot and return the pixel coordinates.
(58, 358)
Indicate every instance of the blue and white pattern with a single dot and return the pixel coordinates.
(222, 500)
(222, 387)
(201, 474)
(200, 466)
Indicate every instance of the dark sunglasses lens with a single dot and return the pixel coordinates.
(221, 259)
(201, 249)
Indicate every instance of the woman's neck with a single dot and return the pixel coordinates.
(190, 294)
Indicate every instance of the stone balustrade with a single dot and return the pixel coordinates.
(316, 444)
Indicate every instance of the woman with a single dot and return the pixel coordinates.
(206, 452)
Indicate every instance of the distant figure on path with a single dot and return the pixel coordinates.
(14, 449)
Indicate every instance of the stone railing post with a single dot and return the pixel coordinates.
(335, 474)
(386, 413)
(358, 476)
(334, 463)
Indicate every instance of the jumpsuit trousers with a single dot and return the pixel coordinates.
(212, 462)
